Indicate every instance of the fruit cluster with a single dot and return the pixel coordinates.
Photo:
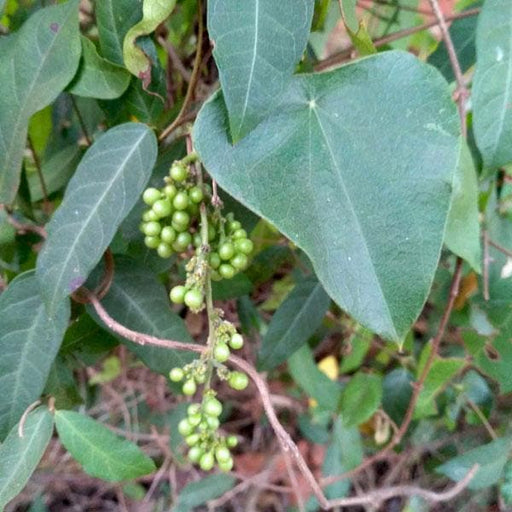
(200, 430)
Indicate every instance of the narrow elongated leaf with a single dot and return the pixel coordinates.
(356, 168)
(115, 18)
(106, 185)
(198, 493)
(19, 456)
(137, 61)
(36, 64)
(257, 44)
(491, 459)
(101, 453)
(492, 85)
(139, 302)
(463, 228)
(29, 342)
(360, 398)
(294, 322)
(97, 77)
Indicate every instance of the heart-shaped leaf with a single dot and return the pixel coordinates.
(257, 44)
(356, 168)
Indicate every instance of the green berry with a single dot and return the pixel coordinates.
(213, 423)
(222, 454)
(206, 462)
(168, 235)
(238, 381)
(240, 234)
(197, 240)
(194, 299)
(194, 454)
(183, 240)
(212, 407)
(164, 250)
(180, 201)
(196, 195)
(181, 218)
(192, 439)
(212, 233)
(151, 196)
(215, 260)
(189, 388)
(221, 352)
(203, 426)
(162, 208)
(244, 245)
(194, 419)
(200, 378)
(193, 409)
(178, 172)
(239, 261)
(152, 242)
(234, 225)
(149, 216)
(236, 342)
(193, 209)
(170, 191)
(152, 228)
(226, 466)
(227, 271)
(185, 428)
(232, 441)
(176, 374)
(226, 251)
(215, 275)
(177, 294)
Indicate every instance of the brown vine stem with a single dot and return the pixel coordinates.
(398, 6)
(193, 78)
(343, 55)
(285, 441)
(417, 387)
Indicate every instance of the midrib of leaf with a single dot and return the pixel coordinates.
(508, 83)
(71, 249)
(253, 62)
(104, 455)
(356, 218)
(20, 458)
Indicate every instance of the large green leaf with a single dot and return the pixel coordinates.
(101, 453)
(36, 63)
(257, 44)
(29, 342)
(97, 77)
(19, 456)
(106, 185)
(491, 459)
(492, 85)
(294, 322)
(114, 18)
(463, 228)
(198, 493)
(138, 301)
(356, 168)
(136, 60)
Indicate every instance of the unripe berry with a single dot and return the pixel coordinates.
(212, 233)
(195, 194)
(168, 235)
(177, 294)
(221, 352)
(151, 196)
(194, 454)
(222, 454)
(236, 342)
(181, 218)
(206, 462)
(215, 260)
(244, 245)
(193, 409)
(162, 208)
(234, 225)
(176, 374)
(185, 428)
(227, 271)
(183, 240)
(192, 439)
(164, 250)
(189, 388)
(178, 172)
(152, 228)
(197, 240)
(180, 201)
(239, 234)
(238, 381)
(194, 299)
(213, 423)
(226, 251)
(170, 191)
(212, 407)
(232, 441)
(226, 465)
(194, 419)
(152, 242)
(239, 261)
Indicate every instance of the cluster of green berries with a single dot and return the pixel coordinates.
(168, 224)
(200, 430)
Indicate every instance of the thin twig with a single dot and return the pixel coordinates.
(400, 7)
(500, 248)
(482, 418)
(194, 77)
(462, 91)
(343, 55)
(81, 121)
(175, 59)
(417, 388)
(485, 270)
(25, 228)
